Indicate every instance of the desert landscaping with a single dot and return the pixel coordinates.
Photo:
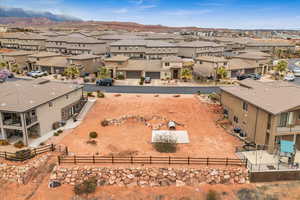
(132, 137)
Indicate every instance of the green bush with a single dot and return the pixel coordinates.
(87, 187)
(100, 94)
(120, 77)
(59, 131)
(214, 97)
(93, 134)
(56, 134)
(90, 94)
(104, 123)
(165, 144)
(212, 195)
(86, 80)
(19, 144)
(4, 142)
(199, 93)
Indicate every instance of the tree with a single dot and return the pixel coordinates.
(186, 74)
(16, 68)
(104, 72)
(222, 72)
(281, 67)
(72, 71)
(3, 65)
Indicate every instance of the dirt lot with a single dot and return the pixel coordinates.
(206, 139)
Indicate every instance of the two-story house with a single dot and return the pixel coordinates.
(29, 109)
(266, 112)
(199, 48)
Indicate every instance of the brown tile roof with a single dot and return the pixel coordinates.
(83, 57)
(274, 97)
(212, 59)
(20, 96)
(59, 61)
(117, 58)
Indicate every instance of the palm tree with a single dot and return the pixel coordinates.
(104, 72)
(222, 72)
(281, 67)
(16, 68)
(3, 65)
(186, 74)
(72, 71)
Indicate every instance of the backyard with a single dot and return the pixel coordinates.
(133, 138)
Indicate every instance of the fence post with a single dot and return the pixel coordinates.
(35, 151)
(150, 160)
(246, 163)
(58, 157)
(131, 159)
(52, 147)
(75, 160)
(67, 151)
(169, 160)
(93, 158)
(226, 161)
(112, 159)
(188, 160)
(207, 161)
(5, 156)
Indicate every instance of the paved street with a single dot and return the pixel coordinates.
(151, 89)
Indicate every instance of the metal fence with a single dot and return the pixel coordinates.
(26, 154)
(150, 160)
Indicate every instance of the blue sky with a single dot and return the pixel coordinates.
(202, 13)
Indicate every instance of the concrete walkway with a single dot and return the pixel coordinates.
(69, 125)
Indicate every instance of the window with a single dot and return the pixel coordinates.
(67, 96)
(225, 112)
(167, 64)
(245, 106)
(283, 119)
(236, 119)
(50, 104)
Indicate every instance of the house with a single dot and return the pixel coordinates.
(143, 49)
(266, 112)
(269, 47)
(33, 58)
(52, 65)
(88, 63)
(3, 28)
(16, 57)
(29, 109)
(206, 66)
(199, 48)
(166, 68)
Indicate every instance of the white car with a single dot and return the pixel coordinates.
(296, 71)
(289, 77)
(36, 74)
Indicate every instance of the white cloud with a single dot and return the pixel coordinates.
(188, 12)
(147, 7)
(121, 11)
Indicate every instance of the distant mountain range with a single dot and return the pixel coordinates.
(19, 12)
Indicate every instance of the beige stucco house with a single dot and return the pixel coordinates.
(28, 109)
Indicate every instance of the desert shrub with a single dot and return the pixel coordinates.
(4, 142)
(100, 94)
(212, 195)
(19, 144)
(59, 131)
(245, 194)
(86, 80)
(87, 187)
(55, 76)
(56, 133)
(120, 77)
(93, 79)
(117, 95)
(165, 144)
(92, 142)
(104, 123)
(90, 94)
(199, 93)
(214, 97)
(55, 125)
(42, 144)
(93, 134)
(176, 95)
(141, 82)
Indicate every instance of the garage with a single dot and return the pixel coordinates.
(153, 75)
(234, 73)
(133, 74)
(46, 69)
(250, 71)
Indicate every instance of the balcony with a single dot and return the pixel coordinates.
(11, 119)
(291, 129)
(31, 120)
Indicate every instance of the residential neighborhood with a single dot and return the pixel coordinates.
(151, 100)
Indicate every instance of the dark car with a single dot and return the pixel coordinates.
(147, 79)
(105, 82)
(252, 76)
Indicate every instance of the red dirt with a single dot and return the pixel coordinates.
(206, 138)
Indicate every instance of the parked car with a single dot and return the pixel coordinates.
(147, 79)
(6, 73)
(289, 77)
(36, 74)
(105, 82)
(296, 71)
(252, 76)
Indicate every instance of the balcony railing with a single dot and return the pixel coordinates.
(288, 129)
(12, 122)
(31, 120)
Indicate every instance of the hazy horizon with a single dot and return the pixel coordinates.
(233, 14)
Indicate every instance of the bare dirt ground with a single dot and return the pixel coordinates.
(206, 138)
